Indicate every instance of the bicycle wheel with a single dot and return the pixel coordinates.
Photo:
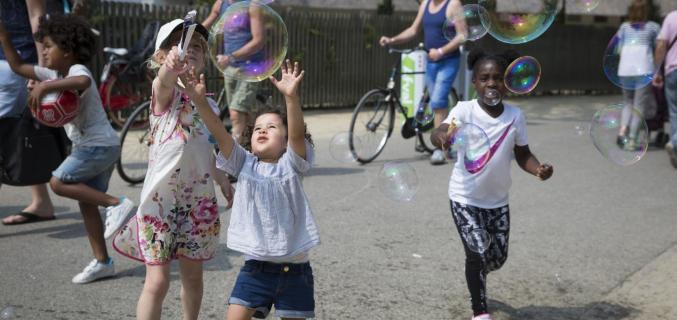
(371, 125)
(134, 143)
(121, 97)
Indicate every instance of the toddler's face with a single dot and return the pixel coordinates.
(269, 139)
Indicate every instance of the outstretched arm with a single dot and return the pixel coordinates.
(528, 162)
(213, 15)
(288, 85)
(197, 91)
(408, 33)
(13, 59)
(163, 87)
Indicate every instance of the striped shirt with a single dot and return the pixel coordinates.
(637, 43)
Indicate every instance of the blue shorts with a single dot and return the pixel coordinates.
(287, 286)
(439, 77)
(89, 165)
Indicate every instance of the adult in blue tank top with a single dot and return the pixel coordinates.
(443, 54)
(241, 43)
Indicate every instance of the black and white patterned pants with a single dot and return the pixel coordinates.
(495, 223)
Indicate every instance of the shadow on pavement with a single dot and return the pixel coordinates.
(333, 171)
(591, 311)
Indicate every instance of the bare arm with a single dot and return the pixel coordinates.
(36, 9)
(256, 43)
(455, 8)
(197, 90)
(213, 15)
(164, 86)
(661, 51)
(409, 33)
(15, 62)
(440, 136)
(528, 162)
(288, 86)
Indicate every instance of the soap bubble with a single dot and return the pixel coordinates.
(628, 64)
(522, 75)
(478, 240)
(472, 143)
(232, 32)
(398, 181)
(621, 148)
(339, 147)
(516, 22)
(470, 17)
(586, 5)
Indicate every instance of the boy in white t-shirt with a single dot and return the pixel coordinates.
(479, 190)
(69, 43)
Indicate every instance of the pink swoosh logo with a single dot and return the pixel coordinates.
(475, 166)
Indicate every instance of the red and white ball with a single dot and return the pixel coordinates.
(57, 108)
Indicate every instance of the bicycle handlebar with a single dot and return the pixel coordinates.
(405, 51)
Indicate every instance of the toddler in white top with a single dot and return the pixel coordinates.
(271, 220)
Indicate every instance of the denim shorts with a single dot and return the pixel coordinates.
(287, 286)
(89, 165)
(439, 77)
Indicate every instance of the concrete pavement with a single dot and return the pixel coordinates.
(596, 241)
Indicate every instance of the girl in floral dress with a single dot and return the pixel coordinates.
(178, 214)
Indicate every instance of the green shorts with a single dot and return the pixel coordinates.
(241, 95)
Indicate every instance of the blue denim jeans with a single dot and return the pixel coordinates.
(439, 77)
(671, 96)
(287, 286)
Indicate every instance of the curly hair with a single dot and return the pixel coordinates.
(246, 139)
(477, 56)
(70, 33)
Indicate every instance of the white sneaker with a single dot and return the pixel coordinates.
(437, 157)
(484, 316)
(93, 271)
(116, 216)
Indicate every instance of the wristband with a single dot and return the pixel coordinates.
(440, 51)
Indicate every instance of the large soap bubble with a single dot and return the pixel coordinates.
(520, 21)
(232, 49)
(628, 64)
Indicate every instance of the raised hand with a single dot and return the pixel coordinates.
(288, 85)
(173, 63)
(544, 171)
(194, 85)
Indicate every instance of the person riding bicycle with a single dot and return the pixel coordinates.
(443, 55)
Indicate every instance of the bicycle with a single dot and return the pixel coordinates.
(135, 134)
(125, 81)
(373, 119)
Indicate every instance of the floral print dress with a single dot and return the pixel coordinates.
(178, 214)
